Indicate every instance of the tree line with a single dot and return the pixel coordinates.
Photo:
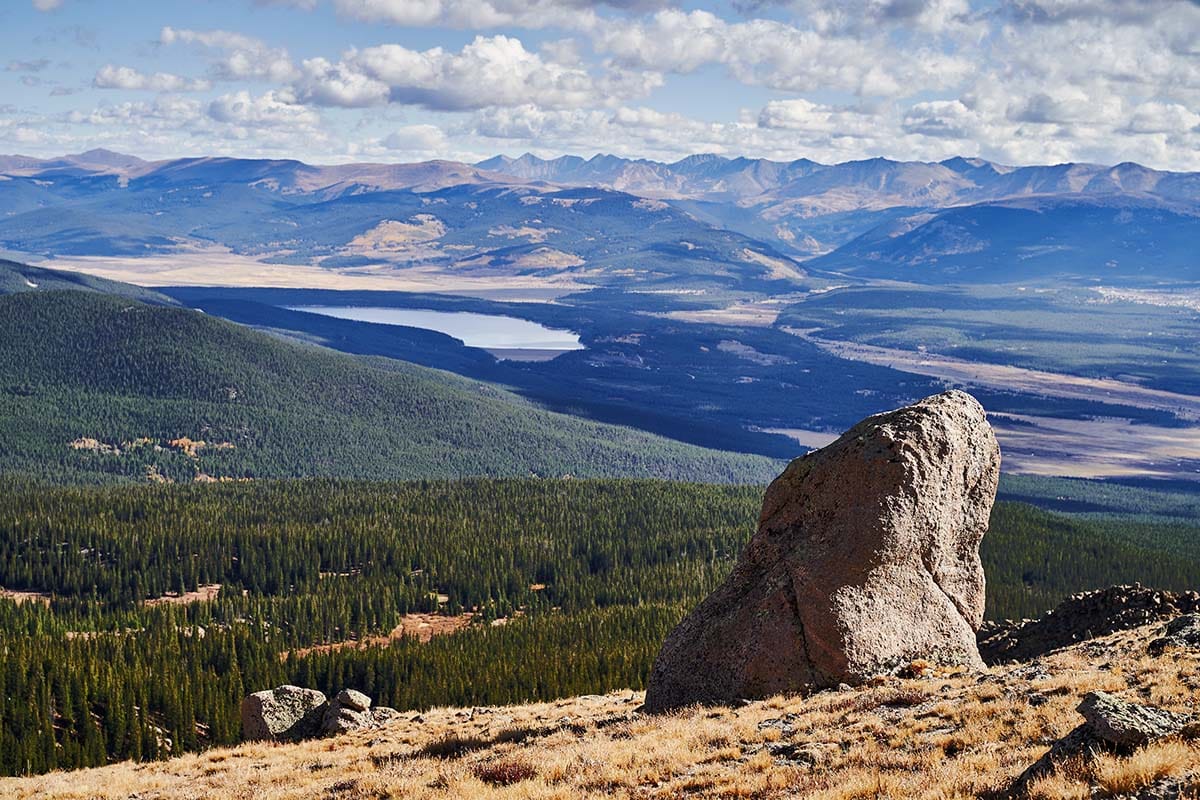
(588, 575)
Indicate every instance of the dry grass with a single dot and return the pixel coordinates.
(1158, 760)
(20, 597)
(421, 626)
(1115, 775)
(505, 772)
(202, 594)
(940, 734)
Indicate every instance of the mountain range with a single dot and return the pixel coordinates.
(705, 222)
(876, 181)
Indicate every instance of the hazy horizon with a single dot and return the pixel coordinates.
(1016, 82)
(585, 156)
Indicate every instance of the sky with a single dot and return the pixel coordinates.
(330, 81)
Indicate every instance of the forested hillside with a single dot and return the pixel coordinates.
(16, 277)
(100, 388)
(588, 577)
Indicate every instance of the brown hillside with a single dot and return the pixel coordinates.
(935, 735)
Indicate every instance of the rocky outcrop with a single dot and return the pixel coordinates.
(283, 714)
(382, 715)
(1125, 724)
(349, 711)
(1180, 632)
(866, 558)
(1110, 725)
(1082, 616)
(291, 713)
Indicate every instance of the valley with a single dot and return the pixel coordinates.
(631, 399)
(206, 266)
(683, 280)
(414, 437)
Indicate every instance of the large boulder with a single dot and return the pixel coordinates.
(283, 714)
(866, 558)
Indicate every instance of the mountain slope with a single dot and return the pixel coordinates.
(809, 208)
(936, 733)
(1106, 238)
(96, 387)
(15, 277)
(450, 219)
(705, 222)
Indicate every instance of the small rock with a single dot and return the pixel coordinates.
(1029, 672)
(781, 749)
(810, 753)
(1167, 788)
(349, 711)
(1126, 724)
(1079, 743)
(353, 699)
(816, 752)
(344, 720)
(782, 724)
(382, 715)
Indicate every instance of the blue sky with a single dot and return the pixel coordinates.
(1015, 81)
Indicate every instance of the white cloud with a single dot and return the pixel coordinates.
(480, 14)
(341, 84)
(266, 110)
(1012, 80)
(167, 110)
(174, 126)
(490, 71)
(416, 138)
(1059, 11)
(641, 131)
(1067, 105)
(32, 65)
(931, 16)
(532, 124)
(814, 118)
(47, 5)
(1165, 118)
(245, 58)
(780, 56)
(943, 119)
(112, 76)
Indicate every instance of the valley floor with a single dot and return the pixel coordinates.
(942, 734)
(1099, 447)
(217, 266)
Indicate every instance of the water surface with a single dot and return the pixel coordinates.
(488, 331)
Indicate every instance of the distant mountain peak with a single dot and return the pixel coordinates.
(701, 158)
(99, 155)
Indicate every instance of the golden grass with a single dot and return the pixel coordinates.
(1157, 760)
(943, 734)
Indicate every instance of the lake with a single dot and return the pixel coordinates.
(505, 337)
